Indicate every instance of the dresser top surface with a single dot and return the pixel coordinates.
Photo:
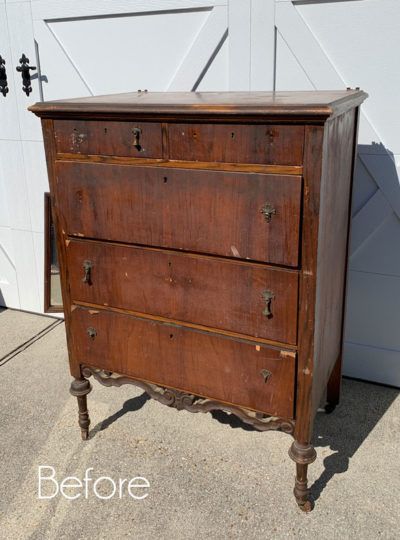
(304, 103)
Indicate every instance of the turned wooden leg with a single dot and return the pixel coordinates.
(80, 388)
(302, 455)
(333, 388)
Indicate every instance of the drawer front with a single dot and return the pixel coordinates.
(217, 293)
(196, 362)
(108, 138)
(194, 210)
(232, 143)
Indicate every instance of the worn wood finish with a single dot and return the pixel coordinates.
(201, 211)
(182, 164)
(180, 251)
(108, 138)
(183, 287)
(202, 328)
(189, 402)
(332, 249)
(49, 143)
(266, 144)
(196, 362)
(306, 106)
(307, 280)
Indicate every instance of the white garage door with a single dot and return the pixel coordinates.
(87, 47)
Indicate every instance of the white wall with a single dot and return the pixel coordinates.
(102, 46)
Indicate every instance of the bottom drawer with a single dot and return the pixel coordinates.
(196, 362)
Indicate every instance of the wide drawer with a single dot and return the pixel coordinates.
(197, 362)
(124, 139)
(233, 143)
(237, 296)
(249, 216)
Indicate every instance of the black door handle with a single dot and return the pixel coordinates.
(25, 69)
(3, 77)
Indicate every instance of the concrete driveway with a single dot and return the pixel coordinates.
(210, 476)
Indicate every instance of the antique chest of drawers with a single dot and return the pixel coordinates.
(202, 239)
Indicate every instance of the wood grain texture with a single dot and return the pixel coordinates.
(332, 247)
(201, 211)
(49, 142)
(156, 318)
(183, 164)
(307, 105)
(181, 251)
(108, 138)
(314, 136)
(266, 144)
(184, 287)
(196, 362)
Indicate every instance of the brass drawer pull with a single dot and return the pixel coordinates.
(87, 268)
(266, 374)
(137, 132)
(268, 211)
(91, 332)
(268, 297)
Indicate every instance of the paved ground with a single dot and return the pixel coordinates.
(209, 476)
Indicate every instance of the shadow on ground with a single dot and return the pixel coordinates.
(343, 432)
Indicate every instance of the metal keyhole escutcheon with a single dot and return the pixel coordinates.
(137, 132)
(91, 332)
(268, 211)
(265, 374)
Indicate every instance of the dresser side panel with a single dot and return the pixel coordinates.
(50, 149)
(336, 183)
(313, 148)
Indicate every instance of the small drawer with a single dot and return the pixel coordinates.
(246, 374)
(124, 139)
(243, 215)
(233, 143)
(237, 296)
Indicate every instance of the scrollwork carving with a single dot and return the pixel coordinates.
(189, 402)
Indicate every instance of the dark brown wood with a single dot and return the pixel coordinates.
(202, 328)
(108, 138)
(266, 144)
(313, 156)
(80, 388)
(332, 248)
(175, 247)
(306, 106)
(182, 164)
(194, 362)
(335, 378)
(302, 455)
(200, 211)
(184, 287)
(334, 385)
(189, 402)
(49, 143)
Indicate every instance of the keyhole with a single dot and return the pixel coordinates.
(165, 179)
(105, 130)
(169, 263)
(171, 336)
(232, 135)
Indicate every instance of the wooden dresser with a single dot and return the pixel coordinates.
(202, 240)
